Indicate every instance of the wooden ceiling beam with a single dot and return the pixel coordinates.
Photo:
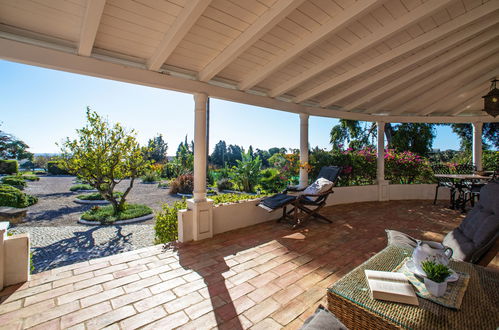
(183, 23)
(423, 71)
(477, 94)
(461, 97)
(336, 23)
(446, 102)
(455, 35)
(403, 22)
(90, 25)
(451, 30)
(264, 24)
(440, 83)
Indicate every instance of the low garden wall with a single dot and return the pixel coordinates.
(228, 217)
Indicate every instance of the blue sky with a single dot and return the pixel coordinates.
(42, 107)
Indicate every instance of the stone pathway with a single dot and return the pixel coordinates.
(58, 240)
(60, 246)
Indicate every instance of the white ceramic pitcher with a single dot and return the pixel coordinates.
(431, 251)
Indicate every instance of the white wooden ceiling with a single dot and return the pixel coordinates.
(365, 59)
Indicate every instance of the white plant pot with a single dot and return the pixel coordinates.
(436, 289)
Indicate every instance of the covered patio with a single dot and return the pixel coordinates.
(384, 61)
(262, 277)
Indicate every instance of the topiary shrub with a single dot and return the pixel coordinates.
(81, 186)
(105, 214)
(54, 168)
(28, 177)
(13, 197)
(14, 181)
(8, 166)
(97, 196)
(184, 184)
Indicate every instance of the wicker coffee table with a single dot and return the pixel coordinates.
(349, 299)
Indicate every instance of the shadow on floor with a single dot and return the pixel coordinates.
(80, 247)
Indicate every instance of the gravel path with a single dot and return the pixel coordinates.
(58, 240)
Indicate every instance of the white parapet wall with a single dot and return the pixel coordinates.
(14, 259)
(232, 216)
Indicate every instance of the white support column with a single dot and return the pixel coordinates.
(303, 149)
(477, 145)
(202, 218)
(380, 163)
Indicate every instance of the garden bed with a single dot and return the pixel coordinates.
(104, 215)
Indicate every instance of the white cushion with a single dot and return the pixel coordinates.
(318, 187)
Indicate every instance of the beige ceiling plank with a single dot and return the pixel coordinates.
(251, 35)
(423, 70)
(335, 24)
(404, 49)
(453, 97)
(90, 25)
(182, 25)
(440, 82)
(381, 35)
(436, 48)
(466, 94)
(477, 94)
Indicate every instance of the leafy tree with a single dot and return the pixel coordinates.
(264, 157)
(247, 172)
(234, 153)
(219, 155)
(103, 155)
(185, 156)
(350, 131)
(490, 134)
(413, 137)
(41, 161)
(250, 151)
(13, 148)
(277, 150)
(157, 149)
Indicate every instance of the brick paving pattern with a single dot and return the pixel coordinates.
(262, 277)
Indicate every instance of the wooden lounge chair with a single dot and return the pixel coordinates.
(308, 201)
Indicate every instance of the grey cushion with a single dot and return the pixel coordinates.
(323, 319)
(479, 229)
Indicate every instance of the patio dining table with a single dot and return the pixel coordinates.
(461, 184)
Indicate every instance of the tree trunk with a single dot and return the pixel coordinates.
(388, 134)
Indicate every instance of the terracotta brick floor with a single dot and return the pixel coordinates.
(262, 277)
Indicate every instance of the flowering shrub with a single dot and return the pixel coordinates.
(359, 166)
(406, 167)
(288, 166)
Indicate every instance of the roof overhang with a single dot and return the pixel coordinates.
(440, 71)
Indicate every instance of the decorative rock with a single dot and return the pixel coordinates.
(12, 214)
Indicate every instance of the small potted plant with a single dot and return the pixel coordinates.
(436, 275)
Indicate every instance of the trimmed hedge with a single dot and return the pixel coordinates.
(81, 186)
(54, 168)
(30, 177)
(9, 166)
(97, 196)
(14, 181)
(13, 197)
(105, 214)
